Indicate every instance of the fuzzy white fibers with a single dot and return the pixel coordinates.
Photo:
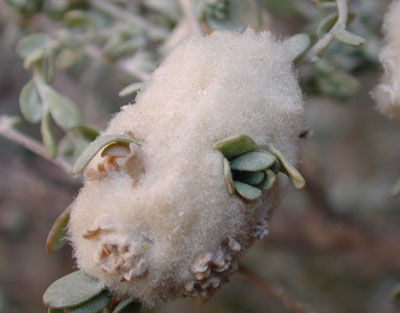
(207, 89)
(387, 94)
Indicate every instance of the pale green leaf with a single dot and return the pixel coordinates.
(297, 45)
(32, 42)
(96, 146)
(327, 23)
(34, 57)
(288, 169)
(131, 89)
(57, 236)
(251, 178)
(339, 32)
(235, 146)
(228, 176)
(72, 290)
(63, 110)
(396, 189)
(238, 15)
(246, 191)
(48, 138)
(30, 103)
(94, 305)
(88, 132)
(269, 180)
(128, 305)
(253, 161)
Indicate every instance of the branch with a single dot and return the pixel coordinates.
(278, 292)
(7, 131)
(190, 17)
(322, 44)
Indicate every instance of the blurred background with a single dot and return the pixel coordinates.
(334, 245)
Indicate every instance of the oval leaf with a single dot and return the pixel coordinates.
(94, 305)
(65, 112)
(228, 176)
(48, 139)
(297, 46)
(131, 89)
(30, 103)
(34, 57)
(288, 169)
(57, 236)
(128, 305)
(246, 191)
(71, 290)
(96, 146)
(30, 43)
(253, 161)
(269, 180)
(235, 146)
(116, 150)
(251, 178)
(339, 32)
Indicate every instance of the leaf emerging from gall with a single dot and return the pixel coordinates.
(94, 305)
(56, 238)
(253, 161)
(246, 191)
(228, 176)
(235, 146)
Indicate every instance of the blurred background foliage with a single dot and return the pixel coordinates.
(335, 245)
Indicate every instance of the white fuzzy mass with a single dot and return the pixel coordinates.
(387, 94)
(176, 230)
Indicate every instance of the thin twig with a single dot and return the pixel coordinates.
(189, 15)
(322, 44)
(7, 131)
(278, 292)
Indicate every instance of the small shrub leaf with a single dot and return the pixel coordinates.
(340, 33)
(94, 305)
(251, 178)
(128, 305)
(254, 161)
(235, 146)
(32, 42)
(48, 139)
(71, 290)
(297, 46)
(131, 89)
(30, 103)
(246, 191)
(96, 146)
(57, 236)
(269, 180)
(228, 176)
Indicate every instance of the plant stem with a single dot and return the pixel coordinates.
(7, 131)
(322, 44)
(189, 15)
(278, 292)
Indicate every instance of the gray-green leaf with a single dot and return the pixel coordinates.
(96, 146)
(251, 178)
(297, 45)
(71, 290)
(246, 191)
(128, 305)
(339, 32)
(64, 111)
(94, 305)
(253, 161)
(288, 169)
(235, 146)
(131, 89)
(30, 103)
(228, 176)
(32, 42)
(269, 180)
(48, 138)
(327, 23)
(57, 236)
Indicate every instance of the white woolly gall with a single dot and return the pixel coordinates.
(387, 94)
(177, 229)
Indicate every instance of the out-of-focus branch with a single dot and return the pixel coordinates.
(7, 131)
(289, 301)
(190, 17)
(322, 44)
